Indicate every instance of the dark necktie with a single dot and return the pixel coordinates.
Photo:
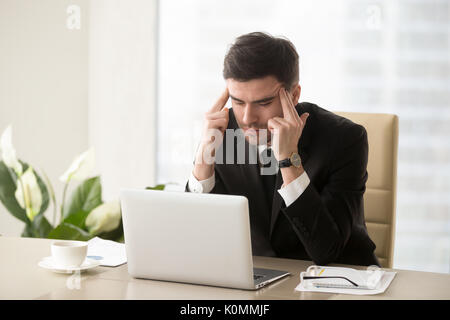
(268, 168)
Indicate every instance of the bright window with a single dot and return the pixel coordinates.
(365, 56)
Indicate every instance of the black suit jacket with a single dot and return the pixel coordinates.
(326, 223)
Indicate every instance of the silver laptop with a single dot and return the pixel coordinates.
(192, 238)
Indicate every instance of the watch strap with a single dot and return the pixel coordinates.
(284, 163)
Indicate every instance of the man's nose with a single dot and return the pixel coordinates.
(250, 115)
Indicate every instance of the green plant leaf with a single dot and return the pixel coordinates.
(28, 231)
(67, 231)
(42, 187)
(42, 226)
(114, 235)
(8, 180)
(39, 228)
(86, 197)
(77, 219)
(121, 239)
(7, 191)
(157, 187)
(44, 192)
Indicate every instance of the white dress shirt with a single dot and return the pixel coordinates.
(289, 193)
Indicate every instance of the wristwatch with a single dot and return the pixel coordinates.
(293, 160)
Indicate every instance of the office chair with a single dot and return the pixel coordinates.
(381, 186)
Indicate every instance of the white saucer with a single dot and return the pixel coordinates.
(47, 263)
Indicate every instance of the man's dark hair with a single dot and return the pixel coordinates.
(256, 55)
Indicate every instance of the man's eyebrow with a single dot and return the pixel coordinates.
(234, 98)
(267, 99)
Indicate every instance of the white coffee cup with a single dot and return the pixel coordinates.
(69, 253)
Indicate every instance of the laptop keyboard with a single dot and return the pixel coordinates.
(257, 277)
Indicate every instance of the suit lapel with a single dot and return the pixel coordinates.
(277, 202)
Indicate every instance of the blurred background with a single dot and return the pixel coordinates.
(133, 78)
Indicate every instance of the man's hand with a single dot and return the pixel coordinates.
(286, 134)
(286, 131)
(216, 122)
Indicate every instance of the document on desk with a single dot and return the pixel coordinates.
(109, 253)
(345, 280)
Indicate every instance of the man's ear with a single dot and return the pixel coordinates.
(296, 93)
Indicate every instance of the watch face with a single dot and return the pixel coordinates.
(295, 160)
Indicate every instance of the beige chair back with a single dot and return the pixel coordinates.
(380, 195)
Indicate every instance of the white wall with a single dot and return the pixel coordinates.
(43, 87)
(66, 90)
(122, 53)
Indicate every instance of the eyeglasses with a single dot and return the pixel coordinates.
(325, 277)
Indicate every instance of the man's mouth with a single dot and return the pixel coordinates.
(257, 136)
(253, 131)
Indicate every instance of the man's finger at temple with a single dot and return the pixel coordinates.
(221, 102)
(289, 112)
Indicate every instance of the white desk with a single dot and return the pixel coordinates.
(22, 278)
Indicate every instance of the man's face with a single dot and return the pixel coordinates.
(255, 102)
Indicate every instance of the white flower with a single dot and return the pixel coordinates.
(81, 167)
(106, 217)
(8, 151)
(30, 197)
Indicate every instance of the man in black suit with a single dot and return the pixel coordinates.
(305, 189)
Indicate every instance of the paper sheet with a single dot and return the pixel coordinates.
(385, 282)
(109, 253)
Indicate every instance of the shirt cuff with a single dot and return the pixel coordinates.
(203, 186)
(293, 190)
